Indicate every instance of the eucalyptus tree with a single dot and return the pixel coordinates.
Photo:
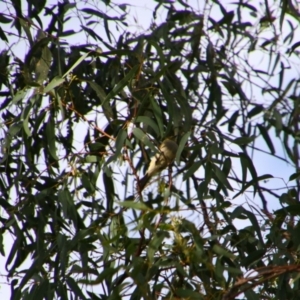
(87, 96)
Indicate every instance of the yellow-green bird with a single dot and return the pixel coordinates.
(162, 159)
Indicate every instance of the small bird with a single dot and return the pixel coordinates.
(162, 159)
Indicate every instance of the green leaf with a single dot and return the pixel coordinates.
(120, 141)
(293, 209)
(26, 27)
(181, 146)
(191, 170)
(42, 290)
(244, 165)
(20, 95)
(15, 128)
(134, 205)
(247, 164)
(232, 121)
(51, 138)
(31, 271)
(155, 243)
(65, 198)
(91, 159)
(158, 115)
(56, 81)
(188, 294)
(243, 140)
(43, 63)
(140, 135)
(5, 20)
(25, 116)
(255, 224)
(78, 62)
(110, 192)
(148, 121)
(295, 45)
(75, 288)
(87, 184)
(99, 14)
(278, 120)
(294, 176)
(222, 251)
(251, 295)
(121, 84)
(257, 109)
(227, 166)
(102, 96)
(253, 258)
(253, 182)
(221, 177)
(202, 190)
(266, 137)
(159, 51)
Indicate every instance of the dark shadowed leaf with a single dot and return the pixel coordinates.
(221, 78)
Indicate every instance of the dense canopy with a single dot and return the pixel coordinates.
(89, 90)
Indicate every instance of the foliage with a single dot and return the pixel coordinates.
(88, 103)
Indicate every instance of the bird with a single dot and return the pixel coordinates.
(162, 159)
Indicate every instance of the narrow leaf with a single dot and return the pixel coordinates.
(134, 205)
(102, 95)
(122, 83)
(253, 182)
(149, 122)
(56, 81)
(75, 288)
(142, 136)
(266, 137)
(181, 146)
(51, 138)
(243, 140)
(83, 57)
(255, 111)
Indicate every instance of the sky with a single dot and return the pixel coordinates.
(141, 15)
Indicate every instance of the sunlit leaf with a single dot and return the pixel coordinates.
(181, 146)
(78, 62)
(56, 81)
(140, 135)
